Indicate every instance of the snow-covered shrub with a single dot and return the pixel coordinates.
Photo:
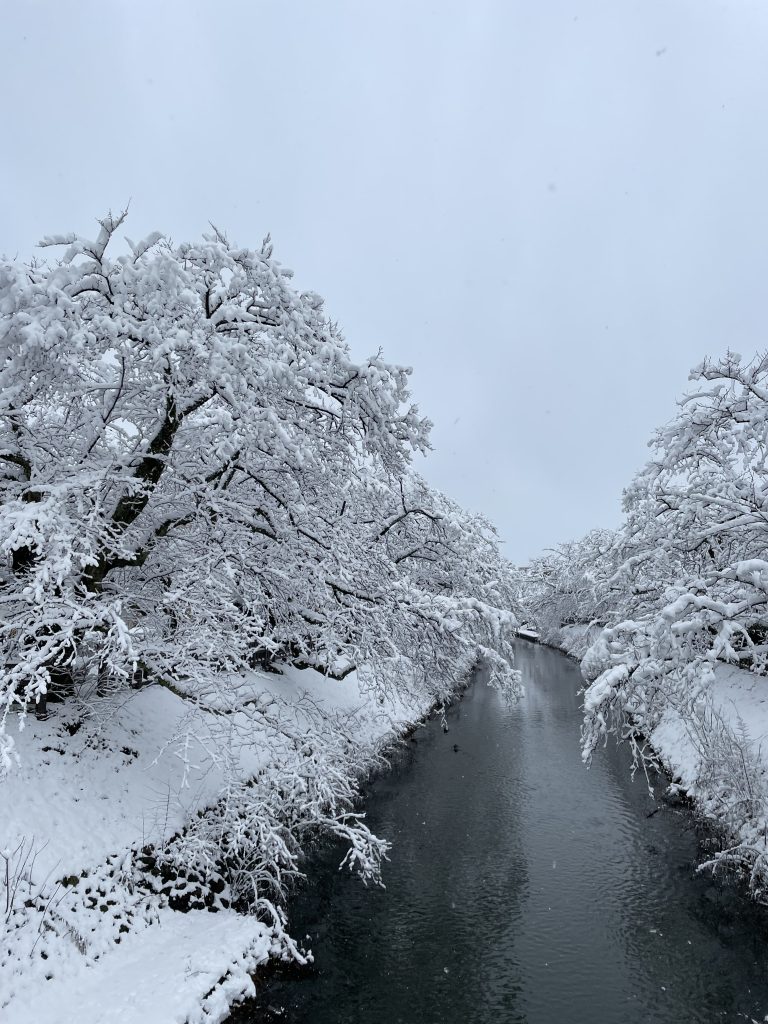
(730, 775)
(247, 847)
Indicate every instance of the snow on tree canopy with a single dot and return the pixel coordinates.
(198, 479)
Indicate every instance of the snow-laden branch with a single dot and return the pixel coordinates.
(196, 479)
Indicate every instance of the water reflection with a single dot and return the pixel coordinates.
(523, 888)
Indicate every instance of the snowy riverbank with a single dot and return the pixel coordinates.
(716, 752)
(90, 794)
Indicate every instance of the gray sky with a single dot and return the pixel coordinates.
(550, 209)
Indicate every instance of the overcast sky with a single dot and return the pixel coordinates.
(551, 210)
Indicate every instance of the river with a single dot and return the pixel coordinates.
(522, 888)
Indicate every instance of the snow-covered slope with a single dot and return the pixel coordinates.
(721, 759)
(86, 796)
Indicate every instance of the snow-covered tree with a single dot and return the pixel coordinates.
(695, 579)
(196, 478)
(570, 584)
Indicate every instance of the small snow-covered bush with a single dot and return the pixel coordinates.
(730, 773)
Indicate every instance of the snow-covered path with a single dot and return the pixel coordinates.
(185, 969)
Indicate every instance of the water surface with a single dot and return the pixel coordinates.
(522, 888)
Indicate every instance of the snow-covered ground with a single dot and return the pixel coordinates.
(185, 968)
(742, 699)
(720, 757)
(85, 797)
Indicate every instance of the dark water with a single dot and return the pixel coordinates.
(523, 888)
